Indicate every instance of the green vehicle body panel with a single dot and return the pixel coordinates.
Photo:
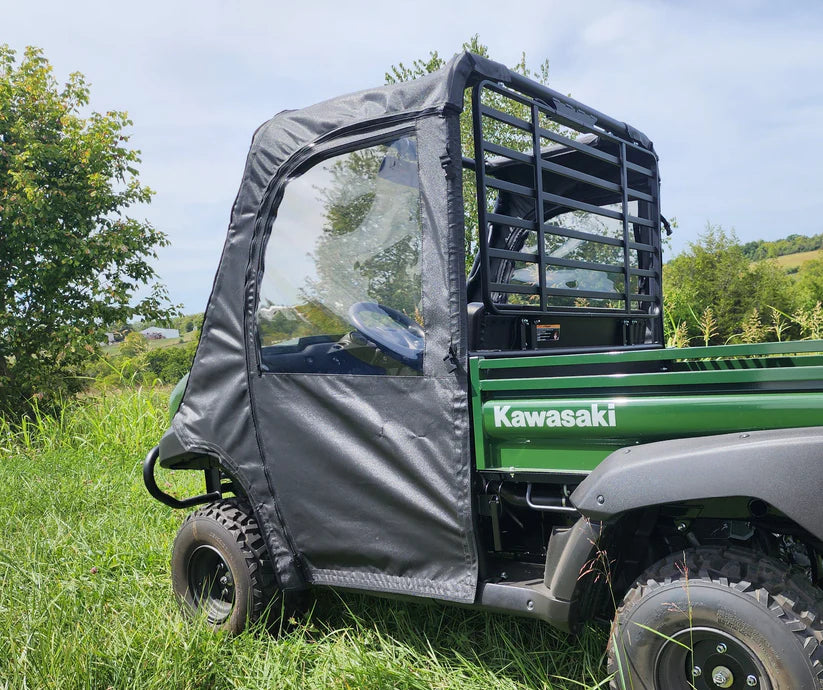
(177, 396)
(566, 413)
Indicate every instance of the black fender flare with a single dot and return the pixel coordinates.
(782, 467)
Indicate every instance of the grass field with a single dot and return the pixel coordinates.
(85, 597)
(797, 260)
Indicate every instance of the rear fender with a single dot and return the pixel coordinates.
(782, 467)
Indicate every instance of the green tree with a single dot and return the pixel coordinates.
(809, 283)
(170, 364)
(498, 133)
(70, 257)
(793, 244)
(134, 345)
(715, 273)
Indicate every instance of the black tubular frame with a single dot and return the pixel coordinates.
(544, 102)
(214, 490)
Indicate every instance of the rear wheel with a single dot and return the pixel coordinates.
(220, 566)
(713, 618)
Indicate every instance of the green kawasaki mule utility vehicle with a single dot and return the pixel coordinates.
(369, 418)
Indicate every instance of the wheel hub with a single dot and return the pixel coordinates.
(722, 677)
(211, 583)
(708, 659)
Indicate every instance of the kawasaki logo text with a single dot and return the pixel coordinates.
(594, 415)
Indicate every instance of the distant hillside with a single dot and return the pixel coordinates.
(793, 262)
(184, 338)
(188, 325)
(791, 245)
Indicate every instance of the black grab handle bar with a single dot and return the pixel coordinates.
(157, 493)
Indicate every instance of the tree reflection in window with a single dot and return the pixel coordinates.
(346, 232)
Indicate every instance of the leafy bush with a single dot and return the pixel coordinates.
(142, 365)
(170, 364)
(715, 274)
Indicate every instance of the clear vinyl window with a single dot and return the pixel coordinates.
(341, 286)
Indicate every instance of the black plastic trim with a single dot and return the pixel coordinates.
(568, 554)
(781, 467)
(174, 456)
(531, 599)
(170, 449)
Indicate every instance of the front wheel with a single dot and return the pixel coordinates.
(220, 566)
(712, 618)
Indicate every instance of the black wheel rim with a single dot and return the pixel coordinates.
(211, 583)
(708, 659)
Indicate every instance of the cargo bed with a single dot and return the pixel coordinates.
(566, 413)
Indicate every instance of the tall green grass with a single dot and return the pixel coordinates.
(86, 602)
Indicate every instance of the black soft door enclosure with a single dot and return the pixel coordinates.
(361, 415)
(330, 379)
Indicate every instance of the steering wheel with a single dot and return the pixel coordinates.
(392, 331)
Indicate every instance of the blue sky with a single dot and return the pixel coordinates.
(730, 92)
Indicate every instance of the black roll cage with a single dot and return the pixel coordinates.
(572, 177)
